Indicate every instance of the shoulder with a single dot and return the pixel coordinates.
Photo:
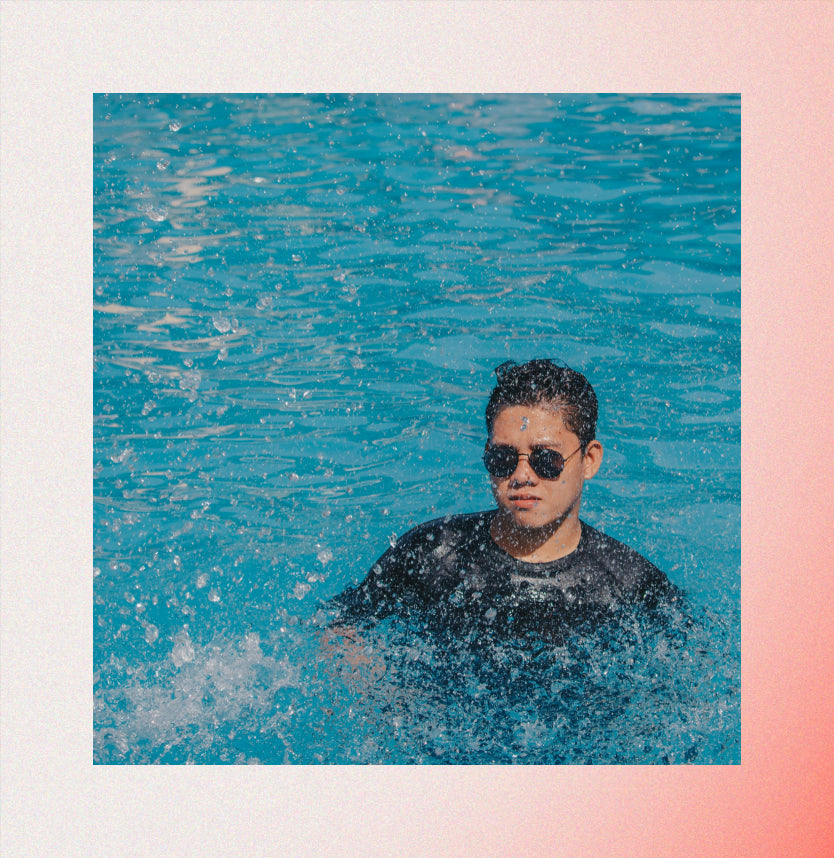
(439, 539)
(450, 527)
(423, 562)
(430, 541)
(628, 571)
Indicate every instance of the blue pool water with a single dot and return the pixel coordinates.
(299, 302)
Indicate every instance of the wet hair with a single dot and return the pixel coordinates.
(545, 383)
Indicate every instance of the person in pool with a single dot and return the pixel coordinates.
(531, 564)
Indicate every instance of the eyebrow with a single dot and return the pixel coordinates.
(555, 444)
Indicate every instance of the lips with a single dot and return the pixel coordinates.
(523, 501)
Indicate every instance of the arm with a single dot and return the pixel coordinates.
(351, 655)
(345, 645)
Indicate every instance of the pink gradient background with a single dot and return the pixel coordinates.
(780, 800)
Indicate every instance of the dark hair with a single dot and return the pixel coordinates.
(543, 382)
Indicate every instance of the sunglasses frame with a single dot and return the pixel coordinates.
(532, 460)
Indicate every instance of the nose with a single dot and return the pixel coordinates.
(523, 473)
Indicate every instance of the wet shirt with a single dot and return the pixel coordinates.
(451, 573)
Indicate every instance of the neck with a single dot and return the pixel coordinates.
(536, 544)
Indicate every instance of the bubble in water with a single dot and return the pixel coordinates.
(301, 589)
(190, 380)
(163, 164)
(202, 580)
(175, 125)
(119, 458)
(151, 633)
(324, 556)
(221, 323)
(214, 595)
(183, 651)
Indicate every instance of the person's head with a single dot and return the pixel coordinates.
(545, 384)
(541, 447)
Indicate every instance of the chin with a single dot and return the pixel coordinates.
(529, 519)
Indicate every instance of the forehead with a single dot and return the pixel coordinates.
(530, 424)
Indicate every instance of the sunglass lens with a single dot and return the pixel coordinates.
(500, 461)
(548, 464)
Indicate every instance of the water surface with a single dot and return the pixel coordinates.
(299, 301)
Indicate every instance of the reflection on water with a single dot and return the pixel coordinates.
(298, 304)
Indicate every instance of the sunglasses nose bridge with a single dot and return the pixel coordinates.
(528, 468)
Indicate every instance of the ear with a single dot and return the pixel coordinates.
(592, 459)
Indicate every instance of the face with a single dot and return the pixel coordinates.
(527, 499)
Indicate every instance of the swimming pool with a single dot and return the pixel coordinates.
(299, 302)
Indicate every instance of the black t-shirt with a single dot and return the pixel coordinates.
(451, 573)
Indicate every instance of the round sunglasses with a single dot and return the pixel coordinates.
(501, 460)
